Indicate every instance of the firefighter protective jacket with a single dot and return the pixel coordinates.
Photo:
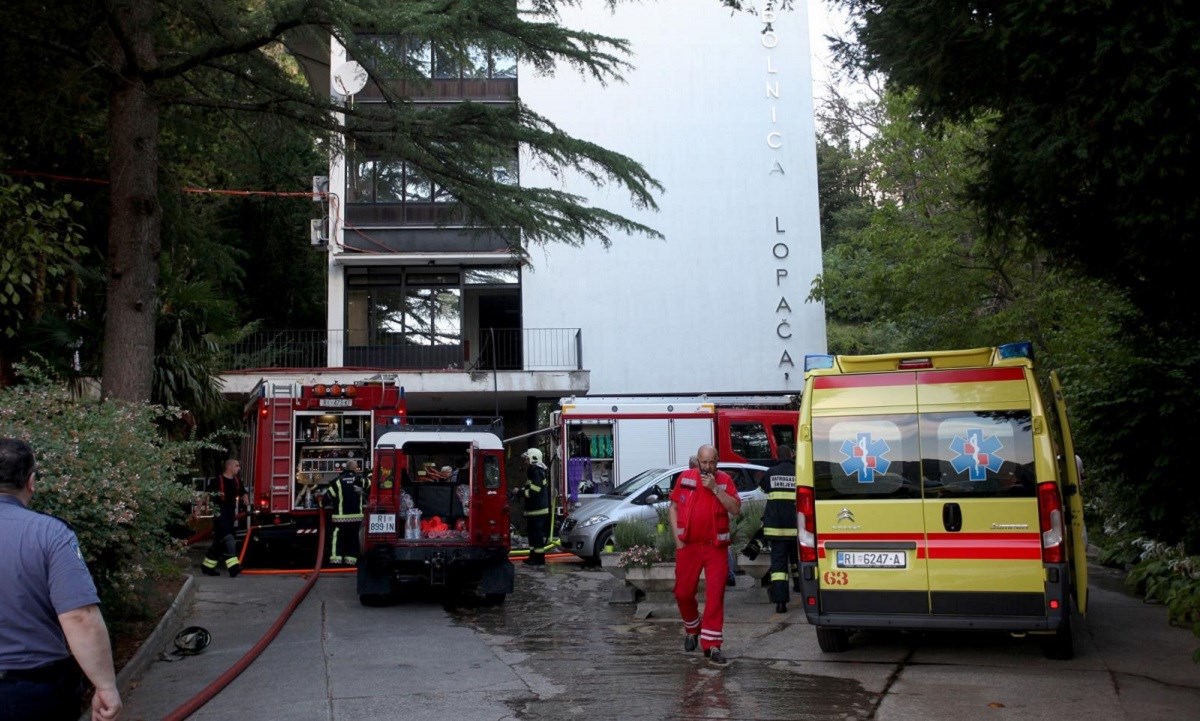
(345, 496)
(779, 515)
(537, 492)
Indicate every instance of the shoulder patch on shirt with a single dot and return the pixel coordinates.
(76, 549)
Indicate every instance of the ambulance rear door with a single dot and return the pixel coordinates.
(1073, 492)
(866, 464)
(980, 489)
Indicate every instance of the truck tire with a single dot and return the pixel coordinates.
(833, 640)
(1060, 646)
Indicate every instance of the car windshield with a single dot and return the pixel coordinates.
(633, 485)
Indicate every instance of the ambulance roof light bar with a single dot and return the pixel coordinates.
(817, 362)
(1023, 349)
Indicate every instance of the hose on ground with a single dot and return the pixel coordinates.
(194, 704)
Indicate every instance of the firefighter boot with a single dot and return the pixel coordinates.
(209, 568)
(233, 566)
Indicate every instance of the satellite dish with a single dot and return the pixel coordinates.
(349, 78)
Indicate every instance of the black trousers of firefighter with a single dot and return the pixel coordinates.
(223, 551)
(345, 542)
(785, 567)
(538, 528)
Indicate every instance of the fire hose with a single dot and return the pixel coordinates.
(194, 704)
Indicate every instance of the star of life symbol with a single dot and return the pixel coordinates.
(865, 457)
(977, 454)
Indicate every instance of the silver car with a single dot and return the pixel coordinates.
(590, 526)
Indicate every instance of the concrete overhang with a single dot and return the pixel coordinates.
(434, 391)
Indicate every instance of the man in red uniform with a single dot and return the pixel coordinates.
(701, 504)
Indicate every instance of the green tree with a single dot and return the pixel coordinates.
(1090, 155)
(39, 262)
(154, 54)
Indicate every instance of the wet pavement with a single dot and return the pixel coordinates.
(559, 650)
(601, 662)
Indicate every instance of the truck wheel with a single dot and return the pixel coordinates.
(833, 640)
(1060, 646)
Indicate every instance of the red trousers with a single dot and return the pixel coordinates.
(714, 561)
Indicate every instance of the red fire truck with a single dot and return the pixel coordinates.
(436, 510)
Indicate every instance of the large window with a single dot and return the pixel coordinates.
(372, 178)
(433, 61)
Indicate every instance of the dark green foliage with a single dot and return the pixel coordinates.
(107, 469)
(1089, 155)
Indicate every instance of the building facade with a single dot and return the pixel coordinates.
(718, 107)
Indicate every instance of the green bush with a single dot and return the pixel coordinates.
(1167, 575)
(630, 532)
(108, 470)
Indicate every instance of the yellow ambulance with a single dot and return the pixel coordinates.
(935, 491)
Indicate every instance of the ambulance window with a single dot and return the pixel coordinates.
(866, 457)
(749, 440)
(978, 454)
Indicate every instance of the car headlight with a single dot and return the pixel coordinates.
(593, 521)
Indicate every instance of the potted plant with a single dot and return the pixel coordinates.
(627, 534)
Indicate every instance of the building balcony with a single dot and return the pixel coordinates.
(512, 349)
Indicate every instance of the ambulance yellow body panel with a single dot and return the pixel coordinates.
(932, 495)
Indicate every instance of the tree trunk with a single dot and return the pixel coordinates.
(135, 217)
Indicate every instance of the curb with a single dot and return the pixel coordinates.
(166, 628)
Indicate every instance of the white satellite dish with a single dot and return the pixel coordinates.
(349, 78)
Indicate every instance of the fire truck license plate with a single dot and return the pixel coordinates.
(871, 559)
(382, 523)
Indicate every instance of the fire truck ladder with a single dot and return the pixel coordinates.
(279, 401)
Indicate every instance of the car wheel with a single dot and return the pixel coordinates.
(603, 540)
(833, 640)
(1060, 646)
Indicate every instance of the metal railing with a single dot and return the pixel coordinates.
(476, 350)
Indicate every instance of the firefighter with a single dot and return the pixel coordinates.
(345, 497)
(226, 491)
(537, 506)
(779, 527)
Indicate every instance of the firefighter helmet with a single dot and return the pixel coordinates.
(192, 640)
(533, 455)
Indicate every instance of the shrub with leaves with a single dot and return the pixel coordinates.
(108, 470)
(631, 532)
(1167, 575)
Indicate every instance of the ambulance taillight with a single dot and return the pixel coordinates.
(806, 523)
(1050, 515)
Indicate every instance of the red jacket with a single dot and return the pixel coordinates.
(698, 512)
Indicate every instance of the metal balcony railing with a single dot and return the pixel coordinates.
(486, 349)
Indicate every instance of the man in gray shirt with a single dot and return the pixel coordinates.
(49, 610)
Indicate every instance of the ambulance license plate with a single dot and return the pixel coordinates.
(381, 523)
(871, 559)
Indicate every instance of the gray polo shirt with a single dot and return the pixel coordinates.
(42, 574)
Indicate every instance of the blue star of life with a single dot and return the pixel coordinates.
(977, 454)
(865, 457)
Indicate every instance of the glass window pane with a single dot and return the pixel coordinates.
(983, 453)
(476, 67)
(504, 65)
(417, 55)
(749, 440)
(866, 457)
(389, 181)
(491, 276)
(441, 195)
(417, 189)
(445, 64)
(360, 180)
(506, 172)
